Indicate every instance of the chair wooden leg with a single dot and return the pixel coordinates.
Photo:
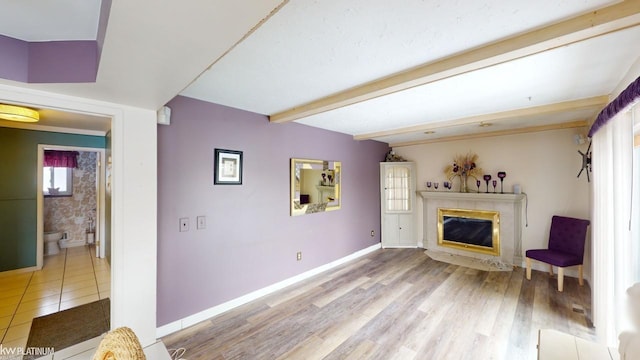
(528, 269)
(550, 269)
(560, 279)
(580, 275)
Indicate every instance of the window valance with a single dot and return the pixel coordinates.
(57, 158)
(629, 96)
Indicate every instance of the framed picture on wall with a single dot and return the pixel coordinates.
(227, 169)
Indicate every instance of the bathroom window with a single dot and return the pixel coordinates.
(58, 181)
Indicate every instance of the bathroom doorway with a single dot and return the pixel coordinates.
(131, 195)
(71, 200)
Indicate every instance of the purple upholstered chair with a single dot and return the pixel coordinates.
(566, 247)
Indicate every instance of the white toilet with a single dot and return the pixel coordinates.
(51, 239)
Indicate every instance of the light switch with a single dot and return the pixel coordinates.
(202, 222)
(184, 224)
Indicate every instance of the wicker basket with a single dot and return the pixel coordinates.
(120, 344)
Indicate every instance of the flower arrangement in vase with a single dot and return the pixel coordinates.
(464, 166)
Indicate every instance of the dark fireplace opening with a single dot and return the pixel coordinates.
(470, 230)
(477, 232)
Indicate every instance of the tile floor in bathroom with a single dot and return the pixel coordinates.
(73, 277)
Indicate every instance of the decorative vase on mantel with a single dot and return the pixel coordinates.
(464, 167)
(463, 183)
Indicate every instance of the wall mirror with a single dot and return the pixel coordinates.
(315, 186)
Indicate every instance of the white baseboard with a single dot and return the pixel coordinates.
(183, 323)
(401, 247)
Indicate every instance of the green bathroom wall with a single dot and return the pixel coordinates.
(18, 190)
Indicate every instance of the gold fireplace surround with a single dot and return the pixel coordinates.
(493, 216)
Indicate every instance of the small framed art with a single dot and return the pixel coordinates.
(227, 169)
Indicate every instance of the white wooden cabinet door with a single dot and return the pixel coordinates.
(398, 199)
(390, 234)
(406, 233)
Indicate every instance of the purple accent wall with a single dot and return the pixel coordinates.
(48, 62)
(74, 61)
(63, 61)
(250, 241)
(13, 59)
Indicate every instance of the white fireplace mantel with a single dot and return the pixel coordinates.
(510, 207)
(448, 195)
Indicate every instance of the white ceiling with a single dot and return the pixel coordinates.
(38, 20)
(311, 49)
(154, 49)
(496, 126)
(307, 49)
(66, 122)
(554, 76)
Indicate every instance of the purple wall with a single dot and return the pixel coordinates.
(14, 54)
(250, 241)
(63, 61)
(73, 61)
(48, 62)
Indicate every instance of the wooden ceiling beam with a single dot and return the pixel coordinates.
(596, 23)
(549, 109)
(531, 129)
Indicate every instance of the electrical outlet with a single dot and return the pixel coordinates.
(201, 222)
(184, 224)
(299, 256)
(373, 233)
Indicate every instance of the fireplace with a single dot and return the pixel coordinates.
(509, 223)
(471, 230)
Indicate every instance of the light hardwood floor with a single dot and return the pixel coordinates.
(395, 304)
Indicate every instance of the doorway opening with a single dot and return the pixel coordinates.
(71, 200)
(131, 194)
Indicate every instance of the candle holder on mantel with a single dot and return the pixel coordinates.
(502, 175)
(487, 178)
